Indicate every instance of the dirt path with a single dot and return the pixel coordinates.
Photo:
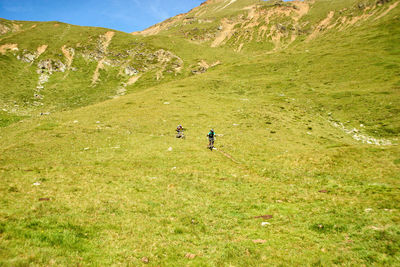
(228, 156)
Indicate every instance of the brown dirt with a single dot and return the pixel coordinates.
(321, 26)
(190, 256)
(240, 47)
(69, 55)
(40, 50)
(302, 9)
(96, 75)
(392, 6)
(4, 29)
(16, 27)
(226, 32)
(133, 79)
(5, 47)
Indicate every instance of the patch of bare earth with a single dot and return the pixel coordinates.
(4, 29)
(240, 47)
(391, 7)
(133, 80)
(69, 55)
(321, 26)
(5, 47)
(16, 27)
(260, 16)
(40, 50)
(226, 32)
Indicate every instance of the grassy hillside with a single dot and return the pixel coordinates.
(52, 66)
(306, 170)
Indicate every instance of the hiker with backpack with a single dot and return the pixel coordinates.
(211, 139)
(179, 131)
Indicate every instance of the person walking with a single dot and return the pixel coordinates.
(211, 139)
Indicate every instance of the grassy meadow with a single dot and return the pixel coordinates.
(106, 183)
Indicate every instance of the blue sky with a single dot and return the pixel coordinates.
(123, 15)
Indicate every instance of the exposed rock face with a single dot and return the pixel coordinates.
(28, 58)
(130, 71)
(4, 29)
(51, 65)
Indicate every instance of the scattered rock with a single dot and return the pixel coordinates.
(145, 260)
(130, 71)
(28, 58)
(259, 241)
(51, 65)
(166, 103)
(170, 149)
(190, 256)
(36, 184)
(265, 223)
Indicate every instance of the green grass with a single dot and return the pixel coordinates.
(96, 182)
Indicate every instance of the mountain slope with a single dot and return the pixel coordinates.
(306, 170)
(52, 66)
(268, 25)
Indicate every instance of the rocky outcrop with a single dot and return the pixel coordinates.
(50, 66)
(203, 66)
(130, 71)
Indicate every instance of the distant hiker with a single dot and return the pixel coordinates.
(211, 138)
(179, 131)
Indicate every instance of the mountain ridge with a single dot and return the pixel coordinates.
(306, 165)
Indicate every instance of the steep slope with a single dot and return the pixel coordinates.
(306, 170)
(55, 66)
(268, 25)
